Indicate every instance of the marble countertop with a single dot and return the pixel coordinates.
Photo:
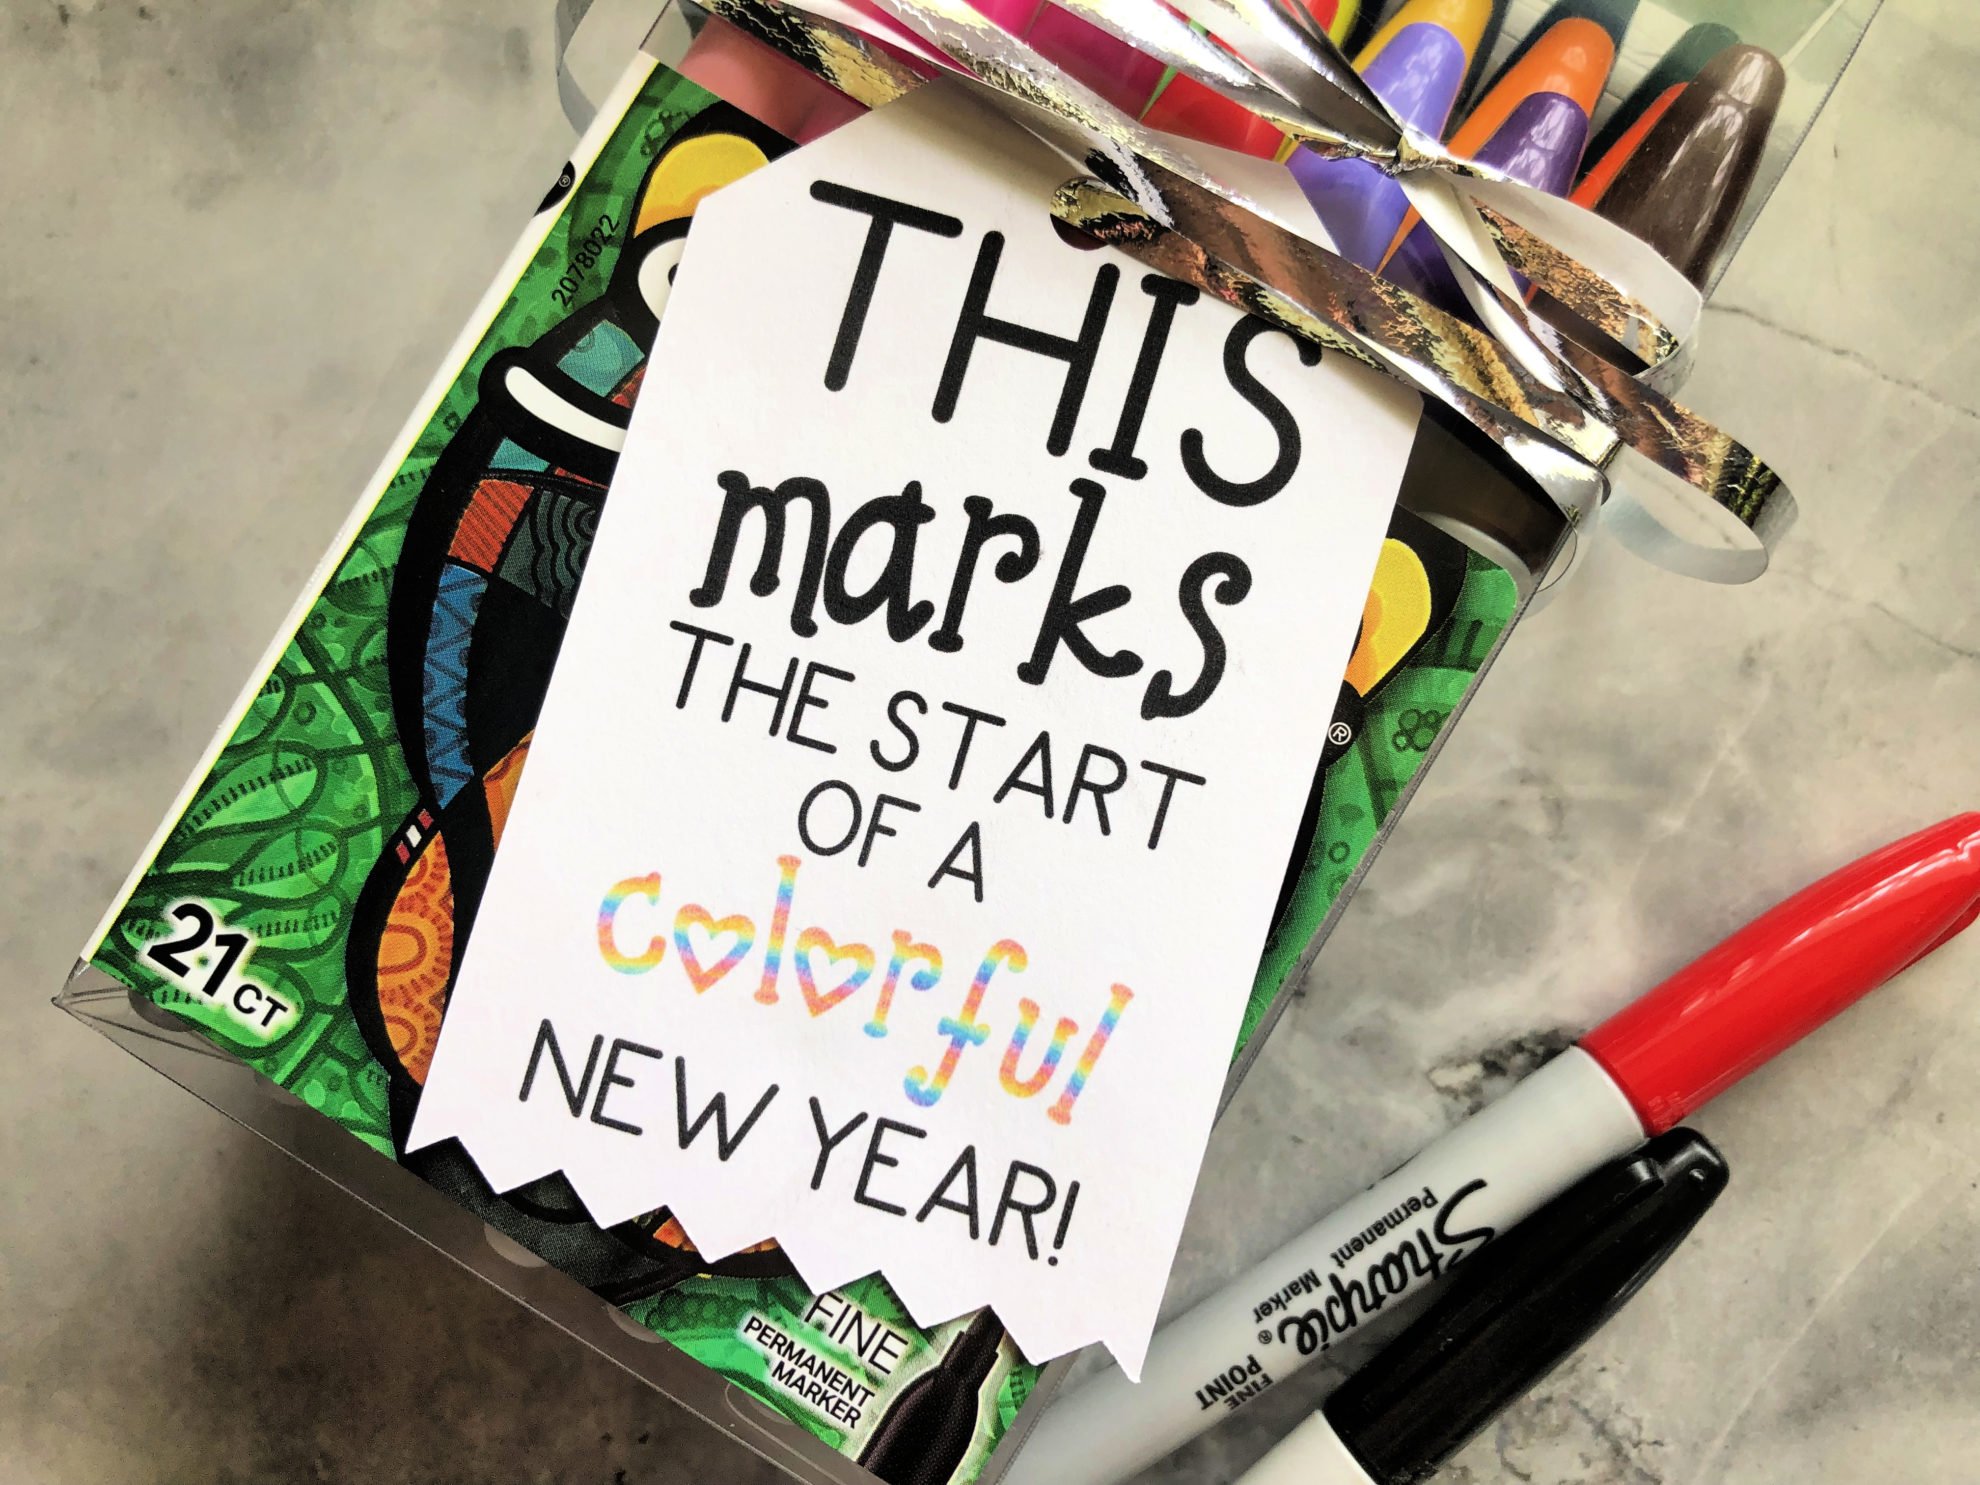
(235, 245)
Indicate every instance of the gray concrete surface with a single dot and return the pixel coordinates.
(238, 233)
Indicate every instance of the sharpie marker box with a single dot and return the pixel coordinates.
(284, 947)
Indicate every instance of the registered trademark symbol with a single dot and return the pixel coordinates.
(1264, 1337)
(1340, 734)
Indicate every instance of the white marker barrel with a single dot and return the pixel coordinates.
(1312, 1454)
(1400, 1234)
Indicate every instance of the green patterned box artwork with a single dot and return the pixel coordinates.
(305, 906)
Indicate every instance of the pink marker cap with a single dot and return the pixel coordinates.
(1106, 64)
(1015, 16)
(764, 83)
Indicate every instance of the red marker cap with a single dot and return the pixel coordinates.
(1789, 971)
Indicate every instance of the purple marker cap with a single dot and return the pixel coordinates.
(1540, 143)
(1417, 74)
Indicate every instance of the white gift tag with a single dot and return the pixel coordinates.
(897, 843)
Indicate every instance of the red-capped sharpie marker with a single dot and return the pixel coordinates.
(1635, 1076)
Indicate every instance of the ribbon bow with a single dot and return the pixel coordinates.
(1592, 434)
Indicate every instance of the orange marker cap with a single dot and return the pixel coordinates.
(1572, 59)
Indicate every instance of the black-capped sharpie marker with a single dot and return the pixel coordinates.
(1509, 1317)
(1636, 1075)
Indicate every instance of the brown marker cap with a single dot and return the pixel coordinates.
(1683, 188)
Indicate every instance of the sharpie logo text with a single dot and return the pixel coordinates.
(1421, 1256)
(1306, 1283)
(1388, 1222)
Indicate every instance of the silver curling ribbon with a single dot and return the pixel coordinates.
(1678, 491)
